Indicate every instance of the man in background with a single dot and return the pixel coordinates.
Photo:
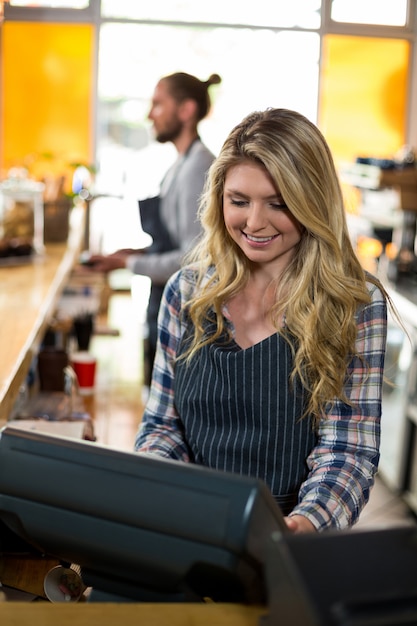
(180, 101)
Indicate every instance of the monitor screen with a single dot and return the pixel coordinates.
(137, 523)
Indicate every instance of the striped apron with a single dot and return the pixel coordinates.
(241, 413)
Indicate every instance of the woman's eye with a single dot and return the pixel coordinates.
(279, 206)
(238, 203)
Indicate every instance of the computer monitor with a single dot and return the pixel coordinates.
(361, 577)
(140, 527)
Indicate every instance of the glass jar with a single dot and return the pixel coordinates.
(21, 218)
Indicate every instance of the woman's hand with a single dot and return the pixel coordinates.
(298, 524)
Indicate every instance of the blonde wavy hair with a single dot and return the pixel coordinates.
(320, 291)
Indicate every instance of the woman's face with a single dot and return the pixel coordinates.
(257, 218)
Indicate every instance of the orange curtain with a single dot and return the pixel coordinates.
(363, 96)
(47, 76)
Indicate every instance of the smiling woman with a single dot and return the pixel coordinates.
(271, 340)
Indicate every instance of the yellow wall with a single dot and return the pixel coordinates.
(363, 95)
(46, 95)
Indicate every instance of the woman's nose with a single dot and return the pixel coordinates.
(256, 218)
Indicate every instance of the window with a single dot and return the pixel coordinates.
(279, 13)
(52, 4)
(370, 12)
(47, 98)
(363, 99)
(259, 68)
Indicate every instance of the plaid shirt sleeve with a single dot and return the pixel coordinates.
(343, 464)
(161, 431)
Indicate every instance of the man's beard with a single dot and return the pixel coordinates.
(170, 133)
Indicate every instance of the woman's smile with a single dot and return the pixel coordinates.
(259, 240)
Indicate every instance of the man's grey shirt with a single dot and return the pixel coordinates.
(180, 194)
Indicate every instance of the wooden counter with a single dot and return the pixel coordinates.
(28, 297)
(107, 614)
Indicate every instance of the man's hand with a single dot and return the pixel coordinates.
(103, 264)
(107, 263)
(127, 251)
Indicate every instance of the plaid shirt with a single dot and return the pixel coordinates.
(342, 464)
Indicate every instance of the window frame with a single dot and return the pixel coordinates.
(93, 12)
(90, 14)
(369, 30)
